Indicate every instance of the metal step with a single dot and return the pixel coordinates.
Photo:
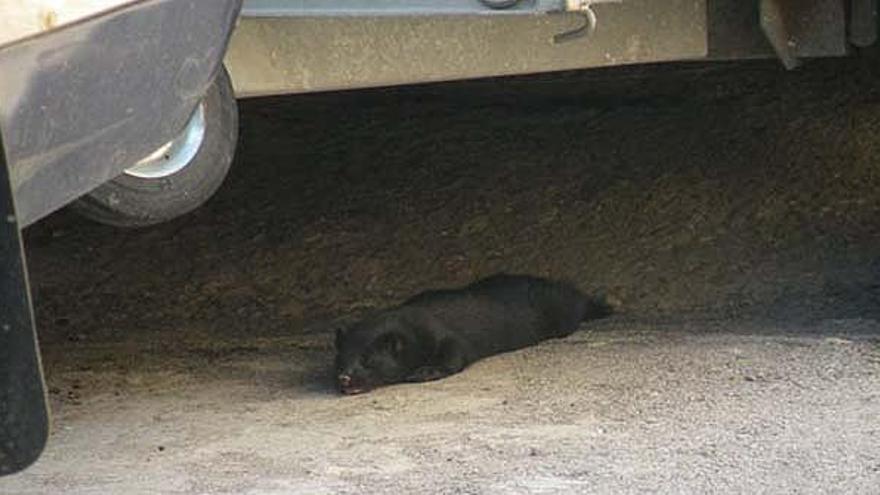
(360, 8)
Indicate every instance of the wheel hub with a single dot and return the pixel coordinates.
(174, 155)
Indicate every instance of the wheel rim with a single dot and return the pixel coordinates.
(176, 154)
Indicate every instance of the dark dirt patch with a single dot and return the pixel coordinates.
(733, 188)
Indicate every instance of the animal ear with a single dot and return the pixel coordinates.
(394, 342)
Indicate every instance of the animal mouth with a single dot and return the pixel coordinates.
(352, 390)
(348, 387)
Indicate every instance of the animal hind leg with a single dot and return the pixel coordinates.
(450, 360)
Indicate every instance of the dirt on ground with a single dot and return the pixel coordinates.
(731, 211)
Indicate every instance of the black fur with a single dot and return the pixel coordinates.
(438, 333)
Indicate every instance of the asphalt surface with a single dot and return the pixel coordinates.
(729, 210)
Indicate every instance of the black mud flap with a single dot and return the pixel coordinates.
(24, 415)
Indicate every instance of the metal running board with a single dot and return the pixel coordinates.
(370, 8)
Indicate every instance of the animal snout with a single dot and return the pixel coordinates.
(344, 380)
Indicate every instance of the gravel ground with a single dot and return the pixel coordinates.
(730, 211)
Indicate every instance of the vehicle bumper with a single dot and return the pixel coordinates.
(80, 104)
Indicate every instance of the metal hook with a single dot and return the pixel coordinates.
(585, 9)
(589, 25)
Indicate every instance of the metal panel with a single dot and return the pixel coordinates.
(734, 31)
(290, 55)
(24, 416)
(863, 22)
(803, 28)
(337, 8)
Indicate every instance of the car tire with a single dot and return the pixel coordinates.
(176, 180)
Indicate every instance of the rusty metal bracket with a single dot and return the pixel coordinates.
(801, 28)
(776, 26)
